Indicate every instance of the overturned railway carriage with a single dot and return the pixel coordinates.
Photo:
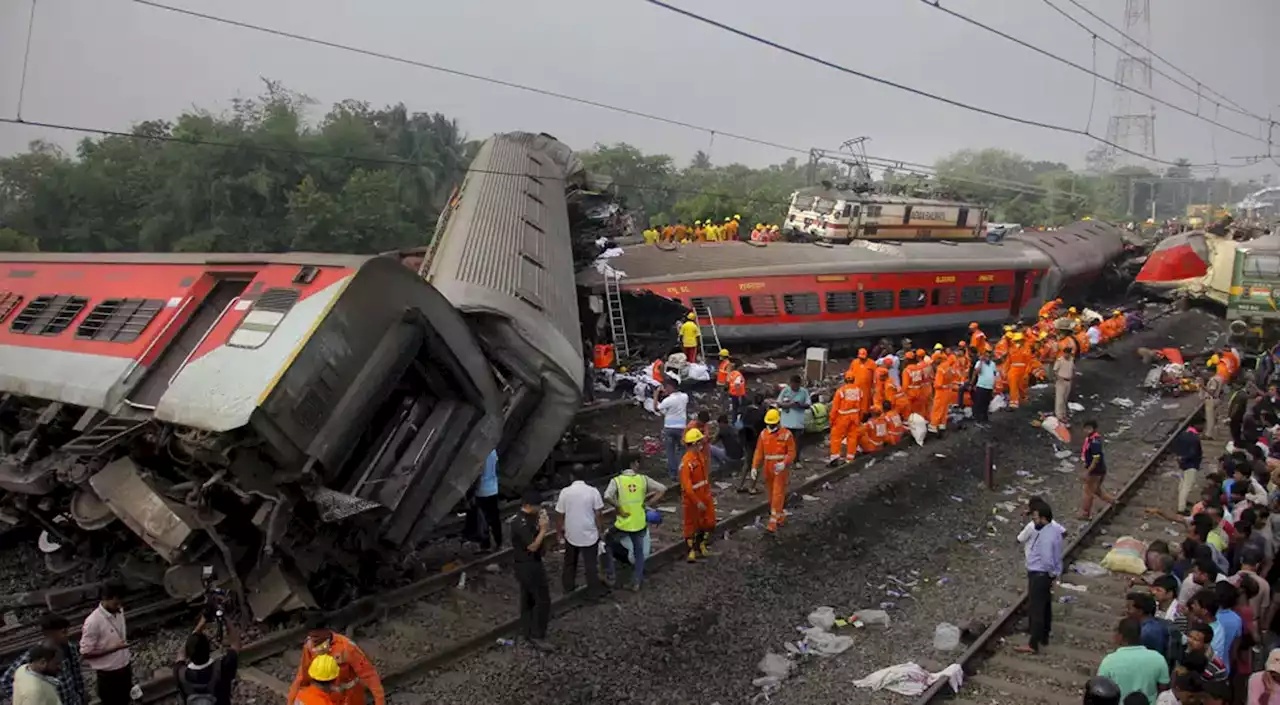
(291, 419)
(785, 291)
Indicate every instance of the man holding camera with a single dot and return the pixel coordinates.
(202, 679)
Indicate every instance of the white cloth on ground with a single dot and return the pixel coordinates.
(910, 679)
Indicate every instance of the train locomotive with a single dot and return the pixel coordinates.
(296, 421)
(781, 291)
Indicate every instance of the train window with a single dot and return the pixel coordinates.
(848, 209)
(999, 294)
(801, 304)
(912, 298)
(944, 297)
(758, 305)
(973, 296)
(877, 300)
(874, 211)
(48, 315)
(906, 215)
(119, 320)
(717, 306)
(842, 301)
(1259, 266)
(8, 302)
(260, 322)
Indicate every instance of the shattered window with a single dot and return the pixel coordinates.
(801, 304)
(998, 294)
(758, 305)
(944, 297)
(973, 296)
(842, 301)
(717, 306)
(912, 298)
(877, 300)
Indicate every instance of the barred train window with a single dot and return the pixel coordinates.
(877, 300)
(717, 306)
(758, 305)
(912, 298)
(999, 294)
(119, 320)
(842, 302)
(48, 315)
(8, 303)
(945, 296)
(801, 304)
(973, 296)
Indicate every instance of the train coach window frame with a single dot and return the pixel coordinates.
(878, 300)
(263, 318)
(973, 296)
(802, 304)
(999, 294)
(909, 299)
(9, 302)
(874, 211)
(752, 305)
(1261, 266)
(842, 302)
(717, 306)
(48, 315)
(944, 296)
(119, 320)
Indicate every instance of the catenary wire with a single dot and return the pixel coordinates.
(909, 89)
(26, 57)
(1067, 62)
(605, 106)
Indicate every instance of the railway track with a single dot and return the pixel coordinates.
(1083, 622)
(156, 612)
(430, 624)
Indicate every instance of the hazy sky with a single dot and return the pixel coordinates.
(109, 63)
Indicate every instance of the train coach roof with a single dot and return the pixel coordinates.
(322, 259)
(646, 263)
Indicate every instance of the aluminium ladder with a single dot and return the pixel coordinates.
(617, 322)
(709, 344)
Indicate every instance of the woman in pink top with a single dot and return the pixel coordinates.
(1264, 687)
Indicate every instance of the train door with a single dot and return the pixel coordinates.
(1021, 288)
(962, 218)
(156, 380)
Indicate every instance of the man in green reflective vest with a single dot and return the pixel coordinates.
(628, 493)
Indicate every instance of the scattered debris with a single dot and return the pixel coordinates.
(809, 498)
(1073, 587)
(1074, 407)
(910, 679)
(1088, 569)
(958, 499)
(870, 617)
(946, 637)
(1123, 402)
(899, 454)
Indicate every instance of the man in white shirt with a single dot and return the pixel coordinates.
(578, 519)
(673, 407)
(105, 647)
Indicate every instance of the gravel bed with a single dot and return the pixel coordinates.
(696, 633)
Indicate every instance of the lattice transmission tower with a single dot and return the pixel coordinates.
(1133, 117)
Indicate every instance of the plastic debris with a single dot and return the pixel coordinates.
(1172, 405)
(822, 617)
(946, 637)
(809, 498)
(724, 485)
(910, 679)
(775, 666)
(1123, 402)
(824, 643)
(939, 455)
(1074, 407)
(919, 428)
(668, 510)
(1073, 587)
(1089, 569)
(1063, 454)
(1023, 473)
(898, 454)
(506, 642)
(1056, 429)
(870, 617)
(958, 499)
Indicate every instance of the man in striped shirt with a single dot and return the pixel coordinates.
(53, 628)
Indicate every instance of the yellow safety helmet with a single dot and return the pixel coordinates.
(1116, 312)
(1008, 334)
(724, 353)
(323, 668)
(690, 316)
(727, 219)
(693, 435)
(698, 222)
(622, 370)
(773, 416)
(937, 346)
(1213, 360)
(1008, 328)
(1018, 336)
(759, 225)
(1071, 310)
(737, 217)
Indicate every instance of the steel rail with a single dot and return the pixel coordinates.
(989, 638)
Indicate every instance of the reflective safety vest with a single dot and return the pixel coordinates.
(737, 384)
(631, 492)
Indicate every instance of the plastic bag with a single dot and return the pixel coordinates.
(775, 666)
(869, 617)
(919, 428)
(946, 637)
(697, 372)
(1055, 427)
(1088, 569)
(1127, 556)
(998, 402)
(823, 617)
(825, 643)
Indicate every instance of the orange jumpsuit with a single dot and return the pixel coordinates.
(1119, 326)
(916, 390)
(668, 234)
(356, 673)
(944, 393)
(897, 429)
(722, 373)
(1082, 340)
(1046, 311)
(737, 384)
(1067, 342)
(695, 486)
(897, 394)
(774, 448)
(1019, 361)
(1233, 362)
(312, 695)
(1002, 347)
(1223, 370)
(875, 431)
(655, 371)
(731, 230)
(681, 233)
(846, 413)
(863, 377)
(699, 235)
(878, 393)
(978, 341)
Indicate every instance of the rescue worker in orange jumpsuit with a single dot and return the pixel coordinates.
(881, 378)
(699, 234)
(726, 366)
(925, 399)
(944, 394)
(977, 339)
(699, 510)
(961, 366)
(875, 431)
(1019, 362)
(1049, 307)
(681, 232)
(356, 673)
(1082, 339)
(737, 383)
(1002, 345)
(847, 405)
(1066, 341)
(856, 363)
(321, 688)
(864, 375)
(775, 452)
(668, 233)
(897, 427)
(1221, 369)
(1119, 324)
(1229, 356)
(896, 395)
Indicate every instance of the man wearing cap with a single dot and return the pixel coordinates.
(1264, 687)
(529, 531)
(1064, 371)
(776, 453)
(355, 672)
(629, 494)
(699, 510)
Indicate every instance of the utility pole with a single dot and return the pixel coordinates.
(1133, 118)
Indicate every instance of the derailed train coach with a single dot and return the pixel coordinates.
(288, 420)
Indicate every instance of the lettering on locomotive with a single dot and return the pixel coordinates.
(987, 278)
(948, 279)
(751, 286)
(928, 215)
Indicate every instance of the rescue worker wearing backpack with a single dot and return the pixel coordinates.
(202, 679)
(356, 671)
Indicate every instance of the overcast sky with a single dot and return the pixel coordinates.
(110, 63)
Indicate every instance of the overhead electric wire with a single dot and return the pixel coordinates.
(26, 57)
(910, 89)
(1168, 63)
(1067, 62)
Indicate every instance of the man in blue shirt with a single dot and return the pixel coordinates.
(1155, 634)
(793, 401)
(1095, 470)
(1042, 541)
(983, 381)
(486, 500)
(1207, 606)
